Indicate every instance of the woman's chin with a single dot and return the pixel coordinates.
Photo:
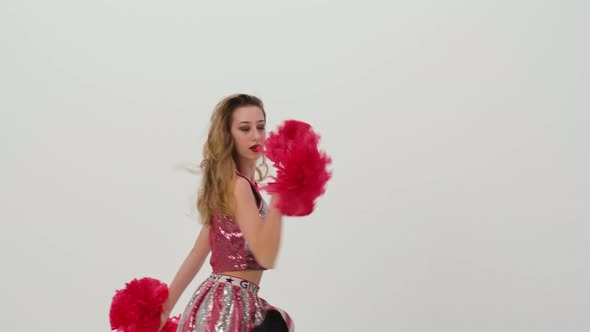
(251, 155)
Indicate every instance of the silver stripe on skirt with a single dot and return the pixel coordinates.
(223, 307)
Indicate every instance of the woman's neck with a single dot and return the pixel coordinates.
(247, 169)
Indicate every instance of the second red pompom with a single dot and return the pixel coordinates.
(302, 172)
(137, 307)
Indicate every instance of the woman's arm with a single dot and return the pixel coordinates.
(263, 237)
(188, 270)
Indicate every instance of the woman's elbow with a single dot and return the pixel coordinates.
(266, 261)
(268, 266)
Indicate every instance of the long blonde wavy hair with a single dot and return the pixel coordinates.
(218, 166)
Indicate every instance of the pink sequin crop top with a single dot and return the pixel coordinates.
(229, 250)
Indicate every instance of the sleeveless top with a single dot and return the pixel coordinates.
(229, 250)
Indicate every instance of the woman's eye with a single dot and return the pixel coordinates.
(261, 128)
(244, 128)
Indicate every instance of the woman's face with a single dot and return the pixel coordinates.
(248, 129)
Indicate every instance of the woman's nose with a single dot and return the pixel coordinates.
(256, 136)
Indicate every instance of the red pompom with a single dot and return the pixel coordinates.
(171, 324)
(301, 168)
(137, 307)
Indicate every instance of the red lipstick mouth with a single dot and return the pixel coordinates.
(256, 148)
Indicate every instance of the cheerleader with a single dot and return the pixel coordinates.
(240, 230)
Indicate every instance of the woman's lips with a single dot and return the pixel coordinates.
(256, 148)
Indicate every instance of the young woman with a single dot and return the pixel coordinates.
(240, 230)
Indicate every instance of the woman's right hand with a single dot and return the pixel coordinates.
(163, 319)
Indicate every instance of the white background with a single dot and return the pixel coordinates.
(458, 130)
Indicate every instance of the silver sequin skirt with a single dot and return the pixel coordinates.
(229, 304)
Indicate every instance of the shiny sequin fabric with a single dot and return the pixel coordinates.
(224, 303)
(229, 250)
(228, 304)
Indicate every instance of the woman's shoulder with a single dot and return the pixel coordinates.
(241, 186)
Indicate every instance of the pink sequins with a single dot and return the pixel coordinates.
(229, 250)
